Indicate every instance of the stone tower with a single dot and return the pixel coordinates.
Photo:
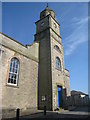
(53, 79)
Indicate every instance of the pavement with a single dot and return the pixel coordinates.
(65, 114)
(77, 114)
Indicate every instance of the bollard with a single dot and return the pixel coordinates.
(44, 110)
(17, 114)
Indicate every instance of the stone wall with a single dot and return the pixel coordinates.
(24, 95)
(51, 24)
(30, 51)
(44, 83)
(59, 77)
(67, 82)
(77, 100)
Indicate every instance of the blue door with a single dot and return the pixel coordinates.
(59, 91)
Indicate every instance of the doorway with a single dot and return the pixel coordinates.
(59, 93)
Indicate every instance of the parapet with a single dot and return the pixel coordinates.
(30, 51)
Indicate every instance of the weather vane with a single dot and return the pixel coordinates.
(47, 4)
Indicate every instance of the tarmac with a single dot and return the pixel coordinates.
(77, 114)
(58, 114)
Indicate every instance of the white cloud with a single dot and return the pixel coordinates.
(74, 19)
(79, 35)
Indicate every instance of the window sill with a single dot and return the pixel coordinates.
(58, 69)
(8, 85)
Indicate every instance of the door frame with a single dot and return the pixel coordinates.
(61, 104)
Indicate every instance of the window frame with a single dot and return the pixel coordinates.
(58, 63)
(55, 26)
(12, 71)
(57, 48)
(42, 24)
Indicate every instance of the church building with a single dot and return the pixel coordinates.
(34, 76)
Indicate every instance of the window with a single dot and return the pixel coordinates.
(13, 72)
(57, 48)
(55, 25)
(58, 63)
(42, 24)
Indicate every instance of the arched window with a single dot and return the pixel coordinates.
(58, 63)
(57, 48)
(13, 72)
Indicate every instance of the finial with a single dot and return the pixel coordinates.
(47, 4)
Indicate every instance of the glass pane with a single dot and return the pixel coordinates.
(11, 64)
(9, 80)
(57, 63)
(15, 77)
(10, 69)
(13, 71)
(14, 64)
(12, 76)
(14, 81)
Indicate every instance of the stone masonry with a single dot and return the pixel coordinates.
(24, 95)
(48, 36)
(39, 77)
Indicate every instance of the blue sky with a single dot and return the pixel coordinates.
(18, 22)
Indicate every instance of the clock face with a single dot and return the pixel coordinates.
(55, 25)
(42, 24)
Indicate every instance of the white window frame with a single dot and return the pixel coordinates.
(13, 71)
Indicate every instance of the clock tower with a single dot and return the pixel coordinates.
(53, 80)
